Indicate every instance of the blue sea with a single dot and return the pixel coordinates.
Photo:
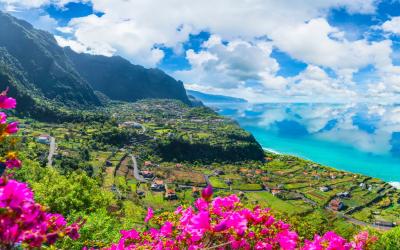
(361, 138)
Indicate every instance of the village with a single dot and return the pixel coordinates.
(136, 171)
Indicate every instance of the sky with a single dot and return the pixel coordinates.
(260, 50)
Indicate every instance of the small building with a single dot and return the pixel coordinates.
(384, 223)
(195, 192)
(275, 192)
(324, 189)
(336, 205)
(147, 174)
(130, 124)
(140, 193)
(229, 182)
(219, 172)
(157, 185)
(258, 172)
(268, 159)
(44, 139)
(343, 195)
(170, 195)
(148, 163)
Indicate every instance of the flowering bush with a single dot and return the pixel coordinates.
(23, 221)
(225, 223)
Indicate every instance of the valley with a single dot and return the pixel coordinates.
(161, 153)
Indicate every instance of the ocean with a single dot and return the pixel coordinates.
(360, 138)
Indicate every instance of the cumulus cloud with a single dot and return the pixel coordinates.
(170, 22)
(392, 25)
(317, 42)
(234, 63)
(315, 84)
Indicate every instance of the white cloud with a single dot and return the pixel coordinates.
(317, 42)
(235, 65)
(142, 24)
(316, 85)
(392, 25)
(74, 45)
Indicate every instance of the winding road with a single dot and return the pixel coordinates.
(52, 150)
(358, 222)
(136, 170)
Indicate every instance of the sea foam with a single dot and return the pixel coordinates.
(395, 184)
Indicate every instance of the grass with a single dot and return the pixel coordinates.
(247, 186)
(109, 177)
(268, 200)
(217, 182)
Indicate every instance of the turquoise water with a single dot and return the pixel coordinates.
(359, 138)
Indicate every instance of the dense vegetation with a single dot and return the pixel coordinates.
(179, 149)
(129, 82)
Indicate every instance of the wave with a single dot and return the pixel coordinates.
(395, 184)
(272, 151)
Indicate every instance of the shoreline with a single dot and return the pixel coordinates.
(395, 184)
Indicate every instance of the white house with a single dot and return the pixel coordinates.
(44, 139)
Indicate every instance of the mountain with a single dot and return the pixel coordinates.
(35, 62)
(118, 79)
(42, 74)
(210, 98)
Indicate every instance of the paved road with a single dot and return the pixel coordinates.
(206, 178)
(143, 128)
(358, 222)
(136, 170)
(52, 150)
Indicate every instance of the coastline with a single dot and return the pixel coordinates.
(271, 150)
(395, 184)
(216, 108)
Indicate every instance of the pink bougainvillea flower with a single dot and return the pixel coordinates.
(150, 214)
(23, 222)
(13, 163)
(207, 193)
(7, 102)
(201, 204)
(223, 225)
(166, 229)
(130, 234)
(3, 118)
(287, 240)
(226, 223)
(12, 128)
(201, 220)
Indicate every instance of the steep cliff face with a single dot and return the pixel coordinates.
(118, 79)
(48, 72)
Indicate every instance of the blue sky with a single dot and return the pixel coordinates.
(261, 50)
